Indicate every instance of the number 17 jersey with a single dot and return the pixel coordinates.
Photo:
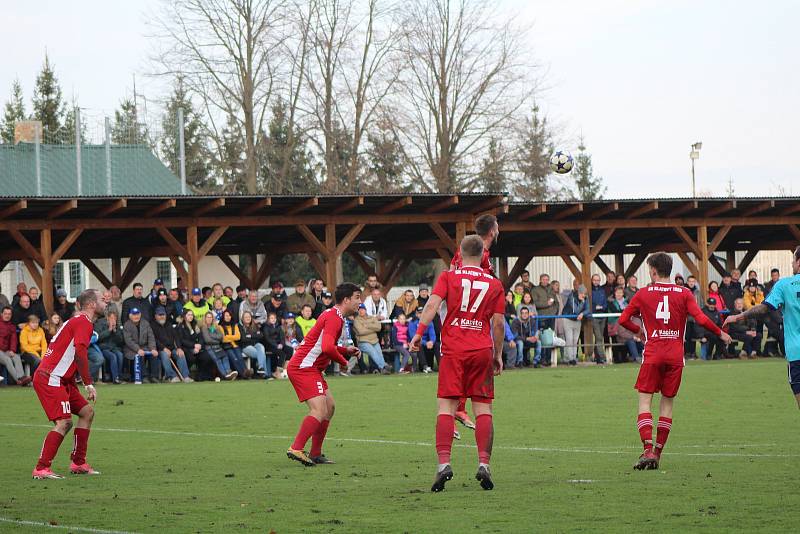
(472, 297)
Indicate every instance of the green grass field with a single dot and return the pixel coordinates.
(211, 457)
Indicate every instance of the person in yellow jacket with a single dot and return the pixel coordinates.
(231, 334)
(32, 343)
(753, 296)
(306, 321)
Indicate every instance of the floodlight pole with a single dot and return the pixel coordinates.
(78, 149)
(181, 151)
(693, 155)
(108, 155)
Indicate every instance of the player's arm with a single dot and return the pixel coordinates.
(702, 320)
(428, 313)
(498, 338)
(82, 338)
(630, 311)
(329, 347)
(756, 311)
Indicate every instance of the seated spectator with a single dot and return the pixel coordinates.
(406, 305)
(22, 289)
(633, 343)
(252, 343)
(527, 302)
(511, 310)
(509, 347)
(426, 345)
(8, 349)
(275, 343)
(713, 293)
(37, 306)
(162, 301)
(278, 290)
(367, 327)
(526, 338)
(231, 334)
(753, 296)
(169, 348)
(111, 307)
(140, 347)
(235, 304)
(208, 294)
(276, 306)
(32, 343)
(423, 296)
(729, 291)
(3, 301)
(306, 321)
(617, 304)
(292, 334)
(711, 346)
(620, 282)
(300, 298)
(752, 275)
(375, 305)
(217, 308)
(400, 339)
(217, 292)
(95, 356)
(158, 284)
(631, 288)
(51, 326)
(191, 340)
(519, 290)
(111, 340)
(138, 301)
(325, 304)
(744, 331)
(212, 342)
(176, 302)
(21, 312)
(116, 300)
(575, 304)
(254, 307)
(197, 304)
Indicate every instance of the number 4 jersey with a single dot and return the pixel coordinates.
(472, 298)
(664, 309)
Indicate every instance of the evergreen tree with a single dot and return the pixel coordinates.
(587, 185)
(13, 112)
(48, 105)
(285, 169)
(68, 129)
(493, 174)
(385, 160)
(533, 160)
(195, 140)
(127, 130)
(229, 162)
(342, 146)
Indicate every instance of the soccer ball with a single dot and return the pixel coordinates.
(561, 162)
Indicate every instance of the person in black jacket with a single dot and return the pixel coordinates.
(711, 346)
(730, 290)
(252, 343)
(137, 301)
(169, 350)
(162, 301)
(190, 339)
(275, 344)
(325, 303)
(276, 306)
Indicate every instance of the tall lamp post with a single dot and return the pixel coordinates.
(693, 155)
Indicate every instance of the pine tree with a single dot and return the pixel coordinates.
(195, 140)
(532, 160)
(13, 112)
(48, 105)
(385, 160)
(276, 174)
(587, 185)
(127, 130)
(229, 162)
(68, 129)
(493, 175)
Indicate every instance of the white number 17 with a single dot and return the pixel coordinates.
(468, 285)
(662, 311)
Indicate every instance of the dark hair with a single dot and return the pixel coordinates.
(775, 270)
(86, 296)
(525, 272)
(484, 224)
(662, 263)
(346, 291)
(306, 306)
(240, 288)
(194, 317)
(206, 288)
(137, 284)
(472, 247)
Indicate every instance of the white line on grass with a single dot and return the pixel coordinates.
(416, 443)
(63, 527)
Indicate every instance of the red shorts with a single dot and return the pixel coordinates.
(660, 376)
(58, 402)
(308, 383)
(467, 374)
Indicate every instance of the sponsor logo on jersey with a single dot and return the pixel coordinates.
(669, 334)
(468, 324)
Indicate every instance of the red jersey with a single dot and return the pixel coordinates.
(486, 264)
(664, 309)
(472, 297)
(68, 352)
(319, 347)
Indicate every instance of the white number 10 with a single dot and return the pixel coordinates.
(662, 311)
(468, 285)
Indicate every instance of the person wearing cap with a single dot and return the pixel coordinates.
(405, 304)
(140, 347)
(278, 290)
(367, 327)
(423, 295)
(276, 306)
(137, 300)
(158, 283)
(427, 344)
(163, 301)
(326, 303)
(197, 304)
(711, 346)
(575, 304)
(730, 291)
(753, 295)
(169, 348)
(61, 306)
(296, 301)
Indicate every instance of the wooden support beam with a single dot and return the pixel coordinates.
(597, 248)
(348, 238)
(112, 208)
(503, 261)
(730, 260)
(602, 264)
(330, 258)
(576, 272)
(795, 230)
(444, 255)
(312, 239)
(211, 206)
(386, 270)
(747, 260)
(572, 210)
(444, 237)
(193, 258)
(180, 268)
(637, 261)
(702, 255)
(461, 231)
(718, 237)
(316, 263)
(719, 210)
(444, 204)
(133, 261)
(67, 206)
(758, 208)
(236, 270)
(302, 206)
(520, 265)
(167, 236)
(576, 251)
(689, 206)
(252, 266)
(586, 280)
(642, 210)
(33, 270)
(97, 272)
(47, 285)
(264, 271)
(349, 205)
(691, 243)
(398, 272)
(691, 265)
(394, 206)
(116, 270)
(211, 241)
(65, 244)
(363, 263)
(490, 204)
(619, 263)
(26, 246)
(136, 268)
(791, 209)
(714, 262)
(605, 210)
(533, 212)
(13, 209)
(257, 206)
(164, 206)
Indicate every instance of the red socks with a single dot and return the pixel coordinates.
(319, 437)
(444, 437)
(484, 437)
(645, 424)
(308, 428)
(51, 444)
(664, 426)
(80, 445)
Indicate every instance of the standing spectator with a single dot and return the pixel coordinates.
(427, 343)
(198, 305)
(317, 288)
(296, 301)
(713, 293)
(371, 283)
(276, 306)
(8, 349)
(736, 278)
(254, 307)
(32, 343)
(62, 306)
(753, 296)
(367, 328)
(111, 307)
(277, 290)
(752, 275)
(169, 347)
(235, 304)
(679, 280)
(526, 338)
(275, 344)
(176, 300)
(228, 292)
(691, 284)
(608, 287)
(689, 345)
(423, 296)
(22, 310)
(252, 343)
(111, 340)
(406, 305)
(730, 290)
(37, 306)
(617, 304)
(559, 304)
(400, 339)
(22, 289)
(116, 299)
(376, 305)
(519, 292)
(140, 347)
(325, 304)
(231, 334)
(711, 346)
(306, 321)
(208, 294)
(631, 288)
(3, 301)
(212, 342)
(217, 292)
(620, 281)
(183, 291)
(511, 310)
(292, 332)
(527, 302)
(525, 281)
(139, 302)
(632, 341)
(744, 331)
(575, 304)
(191, 340)
(774, 276)
(51, 326)
(158, 285)
(599, 305)
(546, 304)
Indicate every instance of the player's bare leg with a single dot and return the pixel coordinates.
(317, 411)
(648, 459)
(484, 438)
(319, 436)
(797, 398)
(81, 434)
(664, 425)
(52, 442)
(444, 442)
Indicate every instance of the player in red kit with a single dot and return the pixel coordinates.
(487, 228)
(664, 308)
(54, 382)
(472, 354)
(305, 368)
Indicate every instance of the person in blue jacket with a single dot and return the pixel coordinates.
(599, 305)
(427, 345)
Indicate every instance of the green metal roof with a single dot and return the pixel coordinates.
(135, 170)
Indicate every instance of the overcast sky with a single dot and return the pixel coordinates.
(642, 80)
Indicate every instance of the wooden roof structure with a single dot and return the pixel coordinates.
(41, 231)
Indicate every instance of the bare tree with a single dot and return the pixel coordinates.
(227, 51)
(463, 81)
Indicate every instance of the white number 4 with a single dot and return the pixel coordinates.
(468, 286)
(662, 311)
